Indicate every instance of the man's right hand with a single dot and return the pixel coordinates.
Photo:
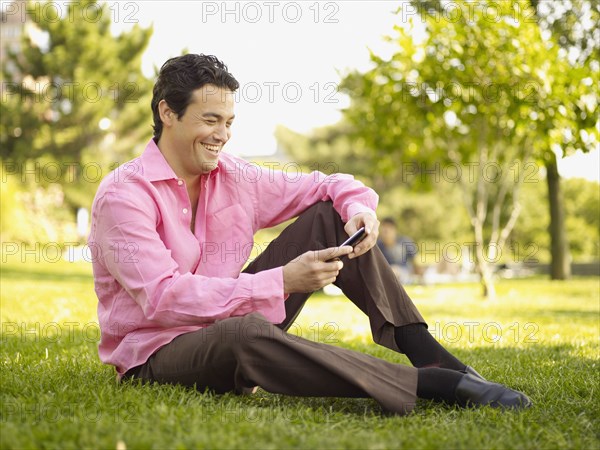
(313, 270)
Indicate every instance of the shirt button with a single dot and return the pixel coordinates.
(185, 210)
(179, 182)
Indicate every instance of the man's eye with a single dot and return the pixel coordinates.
(211, 122)
(228, 125)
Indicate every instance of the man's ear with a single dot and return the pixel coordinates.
(167, 116)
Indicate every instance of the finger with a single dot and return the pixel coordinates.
(330, 253)
(370, 224)
(328, 270)
(350, 228)
(330, 280)
(354, 224)
(324, 279)
(363, 247)
(332, 266)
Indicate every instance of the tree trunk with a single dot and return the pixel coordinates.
(483, 267)
(560, 267)
(487, 282)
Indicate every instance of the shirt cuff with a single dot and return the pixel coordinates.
(267, 294)
(357, 208)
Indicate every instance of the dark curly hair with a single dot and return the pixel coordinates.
(179, 77)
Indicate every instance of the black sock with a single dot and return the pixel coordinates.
(438, 384)
(422, 349)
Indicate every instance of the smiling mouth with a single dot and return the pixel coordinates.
(214, 149)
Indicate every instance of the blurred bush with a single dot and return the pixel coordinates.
(35, 214)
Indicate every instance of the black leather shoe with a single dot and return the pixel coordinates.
(472, 391)
(473, 372)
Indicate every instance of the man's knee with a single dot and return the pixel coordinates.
(323, 211)
(255, 327)
(243, 330)
(325, 207)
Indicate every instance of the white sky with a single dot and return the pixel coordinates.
(287, 56)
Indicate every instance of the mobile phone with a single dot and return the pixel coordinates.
(352, 240)
(355, 238)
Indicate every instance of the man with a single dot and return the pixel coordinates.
(172, 229)
(399, 251)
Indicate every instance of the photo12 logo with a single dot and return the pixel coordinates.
(270, 12)
(71, 11)
(454, 11)
(55, 92)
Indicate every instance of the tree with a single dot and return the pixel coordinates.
(74, 97)
(479, 91)
(572, 25)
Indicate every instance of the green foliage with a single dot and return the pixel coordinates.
(423, 217)
(574, 25)
(530, 235)
(474, 83)
(582, 207)
(59, 93)
(539, 337)
(33, 214)
(328, 149)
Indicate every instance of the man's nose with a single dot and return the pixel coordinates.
(222, 133)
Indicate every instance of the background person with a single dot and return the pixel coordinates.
(399, 251)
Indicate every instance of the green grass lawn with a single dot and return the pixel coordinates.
(538, 336)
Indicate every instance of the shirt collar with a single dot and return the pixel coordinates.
(154, 165)
(156, 168)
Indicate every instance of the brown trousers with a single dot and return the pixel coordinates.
(239, 353)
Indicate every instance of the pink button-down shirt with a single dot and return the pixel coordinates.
(156, 280)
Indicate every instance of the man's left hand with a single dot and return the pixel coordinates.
(371, 224)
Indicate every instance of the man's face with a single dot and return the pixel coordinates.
(198, 136)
